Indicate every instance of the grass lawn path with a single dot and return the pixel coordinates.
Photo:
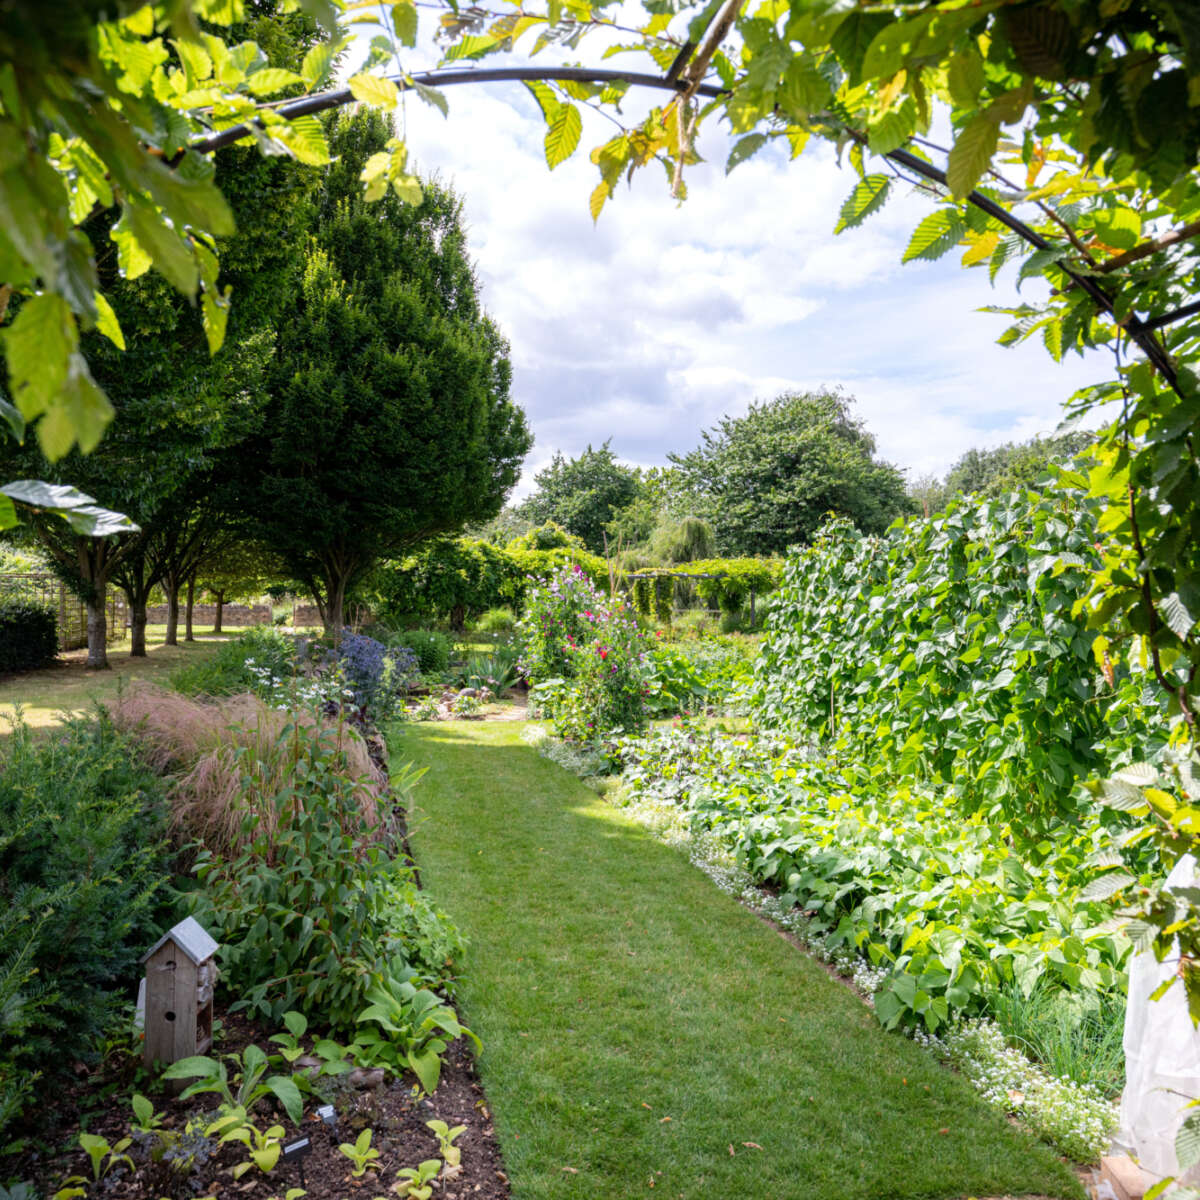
(640, 1027)
(68, 686)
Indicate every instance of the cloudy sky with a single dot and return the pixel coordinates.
(649, 326)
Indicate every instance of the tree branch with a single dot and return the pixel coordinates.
(714, 36)
(1182, 234)
(321, 101)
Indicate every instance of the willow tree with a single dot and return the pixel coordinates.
(388, 418)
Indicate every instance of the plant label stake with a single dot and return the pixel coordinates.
(297, 1150)
(181, 972)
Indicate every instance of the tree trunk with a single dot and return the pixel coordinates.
(97, 632)
(335, 602)
(171, 587)
(458, 618)
(137, 628)
(220, 610)
(188, 636)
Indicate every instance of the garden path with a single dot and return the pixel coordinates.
(645, 1035)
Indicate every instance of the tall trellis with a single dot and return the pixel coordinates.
(70, 612)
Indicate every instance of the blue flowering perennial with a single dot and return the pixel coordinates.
(374, 674)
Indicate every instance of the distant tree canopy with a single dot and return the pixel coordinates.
(582, 494)
(389, 418)
(1013, 467)
(768, 479)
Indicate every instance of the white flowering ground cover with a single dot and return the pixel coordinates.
(1075, 1119)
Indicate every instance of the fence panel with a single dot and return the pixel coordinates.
(39, 587)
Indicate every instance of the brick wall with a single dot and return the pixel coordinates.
(204, 615)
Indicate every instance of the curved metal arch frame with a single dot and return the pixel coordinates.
(1142, 334)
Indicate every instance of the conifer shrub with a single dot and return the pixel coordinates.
(84, 868)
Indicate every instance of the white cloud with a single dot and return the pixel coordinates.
(648, 327)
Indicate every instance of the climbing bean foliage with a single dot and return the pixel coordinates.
(951, 651)
(947, 906)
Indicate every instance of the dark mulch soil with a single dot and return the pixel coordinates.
(392, 1111)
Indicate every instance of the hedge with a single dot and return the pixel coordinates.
(28, 636)
(732, 580)
(458, 578)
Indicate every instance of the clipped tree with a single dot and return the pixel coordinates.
(582, 494)
(768, 479)
(548, 536)
(389, 419)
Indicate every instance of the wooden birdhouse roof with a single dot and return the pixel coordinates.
(189, 936)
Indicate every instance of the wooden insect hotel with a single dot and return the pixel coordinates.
(181, 973)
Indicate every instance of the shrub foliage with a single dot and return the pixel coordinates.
(28, 636)
(83, 875)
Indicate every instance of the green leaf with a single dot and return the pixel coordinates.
(474, 46)
(868, 197)
(198, 1065)
(221, 12)
(1187, 1142)
(893, 129)
(143, 1110)
(305, 138)
(107, 323)
(271, 80)
(171, 255)
(971, 154)
(1052, 339)
(743, 148)
(214, 314)
(38, 345)
(562, 137)
(427, 1067)
(852, 39)
(131, 256)
(937, 234)
(404, 22)
(600, 194)
(374, 90)
(965, 77)
(548, 102)
(317, 65)
(1179, 618)
(1118, 227)
(296, 1023)
(288, 1094)
(432, 96)
(1108, 885)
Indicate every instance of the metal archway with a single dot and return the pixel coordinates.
(675, 80)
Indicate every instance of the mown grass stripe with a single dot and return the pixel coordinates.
(613, 986)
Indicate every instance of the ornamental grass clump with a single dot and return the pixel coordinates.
(230, 757)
